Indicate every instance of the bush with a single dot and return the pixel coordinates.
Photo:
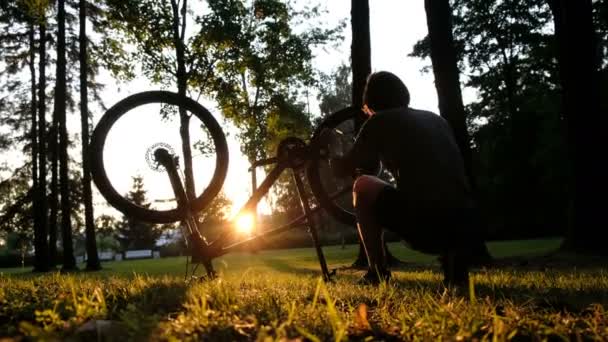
(15, 260)
(174, 248)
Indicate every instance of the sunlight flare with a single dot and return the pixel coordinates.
(244, 223)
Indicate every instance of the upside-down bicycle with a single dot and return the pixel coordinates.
(310, 160)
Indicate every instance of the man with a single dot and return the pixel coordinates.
(431, 207)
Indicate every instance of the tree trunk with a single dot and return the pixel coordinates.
(445, 69)
(93, 263)
(34, 118)
(579, 77)
(69, 262)
(360, 51)
(34, 128)
(361, 65)
(182, 87)
(447, 83)
(54, 196)
(40, 231)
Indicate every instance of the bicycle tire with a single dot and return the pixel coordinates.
(98, 171)
(313, 169)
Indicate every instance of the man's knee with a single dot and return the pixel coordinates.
(366, 189)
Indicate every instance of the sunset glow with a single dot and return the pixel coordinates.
(244, 224)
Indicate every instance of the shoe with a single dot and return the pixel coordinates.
(374, 278)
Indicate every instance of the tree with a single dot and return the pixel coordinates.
(445, 69)
(447, 83)
(361, 65)
(20, 21)
(360, 51)
(69, 262)
(34, 107)
(132, 233)
(335, 90)
(91, 244)
(505, 52)
(40, 226)
(159, 46)
(579, 79)
(53, 203)
(213, 218)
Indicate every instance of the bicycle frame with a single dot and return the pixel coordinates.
(292, 154)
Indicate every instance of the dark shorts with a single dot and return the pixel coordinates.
(429, 229)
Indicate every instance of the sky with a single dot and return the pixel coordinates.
(395, 26)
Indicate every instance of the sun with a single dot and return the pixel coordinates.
(244, 223)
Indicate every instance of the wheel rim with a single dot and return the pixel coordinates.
(333, 199)
(107, 189)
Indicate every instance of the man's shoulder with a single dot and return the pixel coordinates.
(424, 113)
(407, 115)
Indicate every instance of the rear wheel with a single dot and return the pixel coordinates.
(128, 134)
(334, 194)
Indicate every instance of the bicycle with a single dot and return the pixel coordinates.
(310, 159)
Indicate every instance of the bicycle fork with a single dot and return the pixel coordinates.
(199, 243)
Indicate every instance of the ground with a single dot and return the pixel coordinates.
(277, 295)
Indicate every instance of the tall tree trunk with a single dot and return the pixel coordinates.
(54, 188)
(585, 124)
(361, 65)
(34, 108)
(91, 243)
(40, 232)
(445, 69)
(360, 50)
(182, 87)
(69, 262)
(34, 128)
(447, 83)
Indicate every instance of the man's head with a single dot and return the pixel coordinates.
(384, 90)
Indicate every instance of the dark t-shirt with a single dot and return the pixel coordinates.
(419, 149)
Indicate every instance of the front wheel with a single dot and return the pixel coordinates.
(136, 126)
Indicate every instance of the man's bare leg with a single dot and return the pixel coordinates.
(365, 192)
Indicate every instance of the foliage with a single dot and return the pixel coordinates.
(132, 233)
(281, 304)
(19, 19)
(245, 54)
(335, 90)
(507, 54)
(263, 68)
(16, 208)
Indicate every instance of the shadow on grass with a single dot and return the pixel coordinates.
(285, 266)
(552, 298)
(138, 315)
(132, 308)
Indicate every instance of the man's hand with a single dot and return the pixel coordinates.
(324, 137)
(340, 167)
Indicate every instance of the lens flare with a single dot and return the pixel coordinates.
(244, 223)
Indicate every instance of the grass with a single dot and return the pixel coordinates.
(275, 295)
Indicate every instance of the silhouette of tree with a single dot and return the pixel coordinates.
(132, 233)
(20, 22)
(69, 262)
(447, 83)
(505, 52)
(41, 263)
(89, 217)
(579, 78)
(361, 65)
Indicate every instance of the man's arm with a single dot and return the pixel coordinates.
(363, 158)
